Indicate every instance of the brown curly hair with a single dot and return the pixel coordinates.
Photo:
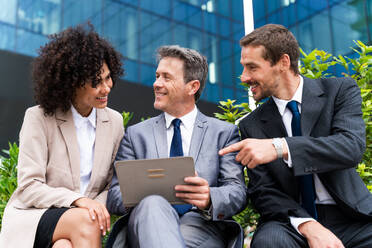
(68, 61)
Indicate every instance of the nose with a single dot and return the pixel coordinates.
(245, 77)
(106, 88)
(158, 83)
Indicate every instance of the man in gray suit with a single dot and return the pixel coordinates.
(216, 193)
(302, 146)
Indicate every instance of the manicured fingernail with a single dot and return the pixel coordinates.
(101, 227)
(108, 229)
(93, 217)
(104, 233)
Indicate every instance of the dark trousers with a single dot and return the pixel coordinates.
(352, 232)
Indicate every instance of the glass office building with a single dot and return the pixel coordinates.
(329, 25)
(137, 28)
(214, 27)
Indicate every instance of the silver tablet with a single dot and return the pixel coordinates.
(140, 178)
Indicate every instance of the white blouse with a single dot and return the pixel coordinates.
(86, 136)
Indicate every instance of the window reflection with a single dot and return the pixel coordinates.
(214, 27)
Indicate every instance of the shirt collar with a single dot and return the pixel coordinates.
(282, 104)
(79, 120)
(187, 120)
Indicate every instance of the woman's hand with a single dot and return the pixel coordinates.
(96, 210)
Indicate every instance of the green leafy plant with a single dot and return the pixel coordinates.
(231, 111)
(127, 116)
(8, 176)
(366, 174)
(316, 63)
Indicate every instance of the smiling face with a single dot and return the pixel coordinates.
(172, 94)
(88, 97)
(258, 73)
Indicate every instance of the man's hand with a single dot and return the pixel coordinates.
(196, 192)
(253, 152)
(96, 210)
(318, 236)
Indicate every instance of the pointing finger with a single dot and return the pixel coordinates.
(231, 148)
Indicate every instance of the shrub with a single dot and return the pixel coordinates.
(8, 176)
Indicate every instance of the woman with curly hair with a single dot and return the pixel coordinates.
(67, 145)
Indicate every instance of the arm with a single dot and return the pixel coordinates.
(344, 146)
(266, 193)
(114, 200)
(228, 197)
(32, 164)
(338, 144)
(119, 128)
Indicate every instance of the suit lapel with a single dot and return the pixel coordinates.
(200, 127)
(271, 120)
(312, 105)
(160, 135)
(100, 144)
(273, 126)
(67, 127)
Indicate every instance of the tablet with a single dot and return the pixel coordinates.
(140, 178)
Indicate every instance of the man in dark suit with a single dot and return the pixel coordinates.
(302, 146)
(216, 193)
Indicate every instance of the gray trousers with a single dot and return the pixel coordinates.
(354, 233)
(155, 223)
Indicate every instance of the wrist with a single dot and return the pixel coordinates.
(307, 226)
(278, 146)
(206, 212)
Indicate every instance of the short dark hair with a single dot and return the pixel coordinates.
(68, 61)
(277, 40)
(195, 66)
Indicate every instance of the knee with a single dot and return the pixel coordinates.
(62, 243)
(150, 208)
(271, 235)
(87, 228)
(153, 202)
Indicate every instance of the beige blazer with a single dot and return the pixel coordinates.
(49, 169)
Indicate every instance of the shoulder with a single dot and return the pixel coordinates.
(114, 115)
(258, 112)
(146, 124)
(216, 123)
(36, 114)
(331, 84)
(35, 111)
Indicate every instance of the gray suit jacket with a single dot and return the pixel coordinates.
(148, 139)
(331, 145)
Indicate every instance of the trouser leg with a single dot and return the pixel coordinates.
(154, 223)
(277, 234)
(353, 232)
(199, 232)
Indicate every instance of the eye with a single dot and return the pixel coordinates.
(251, 67)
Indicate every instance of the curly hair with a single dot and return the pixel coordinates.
(68, 61)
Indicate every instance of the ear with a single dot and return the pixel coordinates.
(194, 86)
(285, 62)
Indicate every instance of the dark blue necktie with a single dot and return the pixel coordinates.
(306, 181)
(176, 151)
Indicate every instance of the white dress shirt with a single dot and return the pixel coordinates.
(186, 127)
(322, 195)
(86, 136)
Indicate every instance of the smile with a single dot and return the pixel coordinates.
(160, 94)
